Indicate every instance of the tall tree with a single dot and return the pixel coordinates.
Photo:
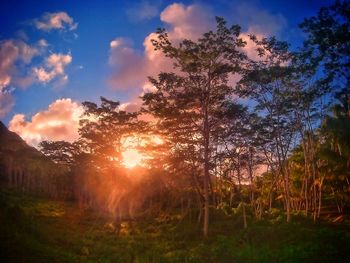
(186, 103)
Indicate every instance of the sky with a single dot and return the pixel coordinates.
(56, 54)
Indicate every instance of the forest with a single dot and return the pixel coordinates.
(231, 158)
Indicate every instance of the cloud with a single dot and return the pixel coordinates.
(54, 67)
(43, 43)
(187, 21)
(132, 67)
(136, 103)
(18, 69)
(143, 11)
(59, 122)
(58, 21)
(131, 106)
(129, 64)
(259, 22)
(14, 53)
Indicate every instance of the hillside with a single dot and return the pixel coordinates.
(25, 168)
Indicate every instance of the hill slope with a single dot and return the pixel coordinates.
(24, 167)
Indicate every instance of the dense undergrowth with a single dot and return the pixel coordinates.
(34, 229)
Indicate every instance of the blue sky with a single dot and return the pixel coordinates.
(85, 63)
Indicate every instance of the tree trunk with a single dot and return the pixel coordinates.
(306, 175)
(286, 185)
(250, 171)
(319, 201)
(206, 173)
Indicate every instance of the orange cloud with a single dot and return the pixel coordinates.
(59, 122)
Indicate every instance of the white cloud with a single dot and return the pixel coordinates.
(59, 122)
(58, 20)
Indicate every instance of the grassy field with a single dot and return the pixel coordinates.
(34, 229)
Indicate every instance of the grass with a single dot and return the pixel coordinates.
(34, 229)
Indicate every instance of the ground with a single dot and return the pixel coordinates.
(34, 229)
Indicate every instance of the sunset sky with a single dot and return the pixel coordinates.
(56, 54)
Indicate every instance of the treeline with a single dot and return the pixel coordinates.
(257, 133)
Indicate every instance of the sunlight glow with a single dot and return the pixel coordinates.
(132, 158)
(134, 151)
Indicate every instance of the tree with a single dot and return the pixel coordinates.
(185, 103)
(268, 82)
(61, 152)
(327, 45)
(334, 153)
(235, 138)
(104, 129)
(326, 57)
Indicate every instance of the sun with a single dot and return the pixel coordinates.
(131, 154)
(132, 158)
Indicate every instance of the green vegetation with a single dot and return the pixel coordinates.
(41, 230)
